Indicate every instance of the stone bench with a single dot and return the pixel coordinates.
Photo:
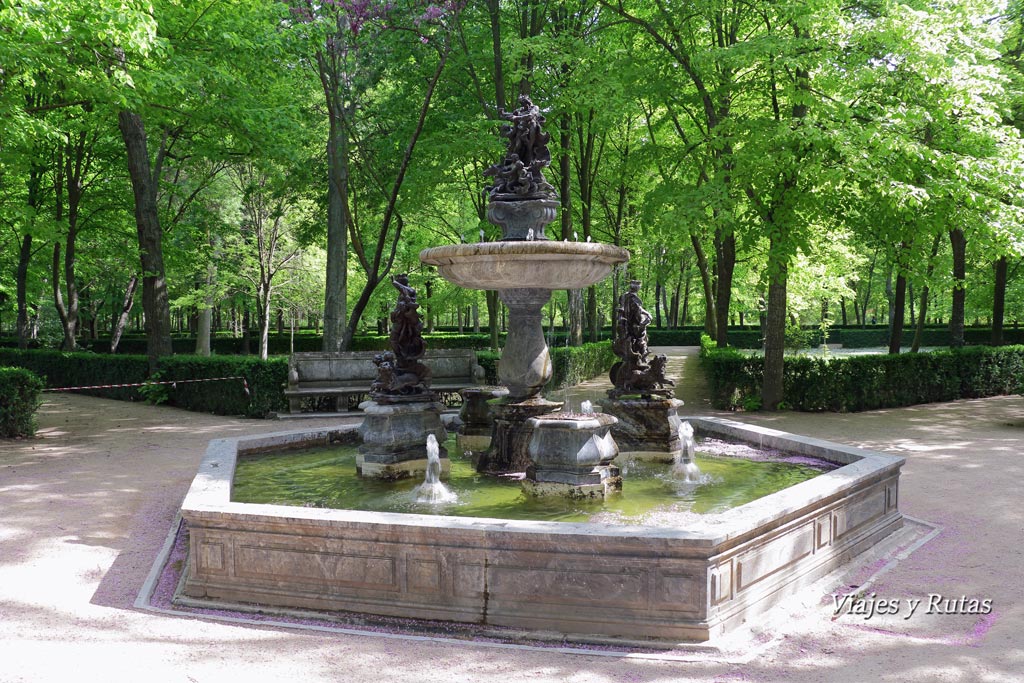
(340, 381)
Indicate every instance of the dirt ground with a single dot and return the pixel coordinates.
(86, 505)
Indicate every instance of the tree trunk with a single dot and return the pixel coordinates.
(58, 302)
(725, 263)
(592, 314)
(145, 184)
(126, 309)
(575, 308)
(24, 257)
(263, 298)
(336, 337)
(204, 326)
(999, 301)
(246, 327)
(899, 303)
(710, 319)
(657, 304)
(775, 330)
(429, 286)
(493, 316)
(956, 319)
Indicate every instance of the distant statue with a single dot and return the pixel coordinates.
(520, 175)
(635, 373)
(400, 374)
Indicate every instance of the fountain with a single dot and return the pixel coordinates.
(581, 579)
(522, 203)
(432, 491)
(683, 466)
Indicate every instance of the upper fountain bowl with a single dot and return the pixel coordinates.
(527, 265)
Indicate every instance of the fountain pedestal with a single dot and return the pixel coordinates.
(510, 438)
(525, 367)
(572, 456)
(645, 426)
(475, 418)
(395, 436)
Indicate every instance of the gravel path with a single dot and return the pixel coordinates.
(86, 506)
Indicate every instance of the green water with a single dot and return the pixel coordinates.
(326, 477)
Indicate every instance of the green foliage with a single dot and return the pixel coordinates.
(799, 338)
(19, 399)
(869, 382)
(488, 360)
(570, 364)
(574, 364)
(60, 369)
(265, 379)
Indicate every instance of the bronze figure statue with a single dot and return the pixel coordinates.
(400, 374)
(519, 175)
(635, 374)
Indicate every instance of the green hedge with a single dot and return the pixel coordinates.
(19, 399)
(265, 379)
(60, 369)
(575, 364)
(488, 360)
(856, 383)
(278, 345)
(570, 364)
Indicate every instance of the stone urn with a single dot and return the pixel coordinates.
(571, 455)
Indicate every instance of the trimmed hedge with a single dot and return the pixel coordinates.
(570, 364)
(79, 369)
(857, 383)
(19, 399)
(265, 379)
(574, 364)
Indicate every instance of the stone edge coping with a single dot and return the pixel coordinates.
(209, 497)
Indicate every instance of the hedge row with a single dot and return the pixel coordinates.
(19, 399)
(856, 383)
(574, 364)
(276, 345)
(745, 337)
(570, 364)
(265, 379)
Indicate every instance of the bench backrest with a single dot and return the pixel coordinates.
(444, 364)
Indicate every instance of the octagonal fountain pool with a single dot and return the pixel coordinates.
(687, 577)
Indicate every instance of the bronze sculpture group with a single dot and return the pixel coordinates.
(636, 372)
(400, 374)
(520, 174)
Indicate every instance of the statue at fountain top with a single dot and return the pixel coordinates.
(400, 374)
(519, 175)
(635, 374)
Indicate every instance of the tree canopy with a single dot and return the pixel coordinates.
(273, 162)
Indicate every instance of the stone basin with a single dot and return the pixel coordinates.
(666, 583)
(541, 264)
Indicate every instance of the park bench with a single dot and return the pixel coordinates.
(329, 382)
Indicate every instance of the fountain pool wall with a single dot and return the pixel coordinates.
(573, 578)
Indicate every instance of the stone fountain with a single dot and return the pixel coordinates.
(578, 579)
(525, 267)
